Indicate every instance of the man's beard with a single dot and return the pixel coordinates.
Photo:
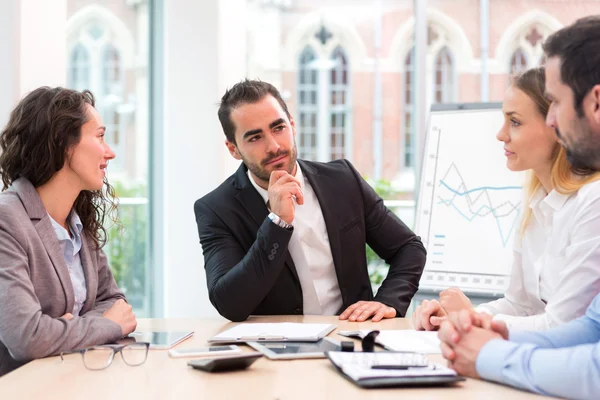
(259, 171)
(583, 154)
(584, 158)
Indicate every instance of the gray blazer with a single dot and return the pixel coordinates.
(36, 289)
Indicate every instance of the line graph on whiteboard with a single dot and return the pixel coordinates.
(470, 204)
(480, 202)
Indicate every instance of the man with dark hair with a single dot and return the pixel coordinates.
(287, 236)
(564, 361)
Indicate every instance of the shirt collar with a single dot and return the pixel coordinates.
(75, 226)
(554, 199)
(264, 193)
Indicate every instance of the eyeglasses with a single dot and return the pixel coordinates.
(100, 357)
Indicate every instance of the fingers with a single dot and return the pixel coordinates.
(447, 352)
(384, 312)
(437, 321)
(349, 310)
(295, 190)
(427, 310)
(363, 310)
(448, 333)
(485, 320)
(453, 299)
(276, 175)
(379, 314)
(281, 177)
(500, 327)
(463, 320)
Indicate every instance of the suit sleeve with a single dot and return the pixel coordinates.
(26, 332)
(394, 242)
(108, 291)
(238, 279)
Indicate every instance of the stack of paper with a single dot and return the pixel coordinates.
(274, 332)
(359, 366)
(403, 340)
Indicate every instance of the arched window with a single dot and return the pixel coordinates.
(111, 79)
(112, 91)
(408, 103)
(79, 68)
(307, 106)
(96, 63)
(338, 107)
(518, 61)
(444, 77)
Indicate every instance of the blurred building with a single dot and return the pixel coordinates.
(326, 56)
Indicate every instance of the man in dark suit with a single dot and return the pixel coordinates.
(287, 236)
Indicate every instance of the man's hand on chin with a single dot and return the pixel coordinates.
(363, 310)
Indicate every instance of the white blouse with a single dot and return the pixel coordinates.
(556, 269)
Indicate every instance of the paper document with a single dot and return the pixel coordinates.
(284, 331)
(359, 366)
(403, 340)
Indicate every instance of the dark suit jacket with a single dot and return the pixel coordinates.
(250, 271)
(36, 288)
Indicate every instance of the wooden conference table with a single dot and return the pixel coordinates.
(162, 377)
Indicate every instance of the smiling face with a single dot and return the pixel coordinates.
(528, 142)
(87, 160)
(264, 138)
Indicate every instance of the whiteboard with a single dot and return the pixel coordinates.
(470, 204)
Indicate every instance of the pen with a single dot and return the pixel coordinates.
(397, 366)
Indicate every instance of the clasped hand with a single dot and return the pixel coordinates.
(463, 334)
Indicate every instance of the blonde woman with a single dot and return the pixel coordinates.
(556, 270)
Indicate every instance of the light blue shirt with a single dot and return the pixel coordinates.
(563, 361)
(71, 247)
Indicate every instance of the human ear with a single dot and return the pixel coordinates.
(233, 150)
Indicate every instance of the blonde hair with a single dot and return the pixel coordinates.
(564, 178)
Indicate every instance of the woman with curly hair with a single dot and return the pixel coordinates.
(57, 292)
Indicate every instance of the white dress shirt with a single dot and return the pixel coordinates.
(556, 269)
(311, 252)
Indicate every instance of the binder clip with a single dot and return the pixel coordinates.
(368, 342)
(347, 346)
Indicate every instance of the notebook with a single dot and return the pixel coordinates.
(402, 340)
(358, 368)
(273, 332)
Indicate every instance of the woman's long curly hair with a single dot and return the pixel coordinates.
(34, 144)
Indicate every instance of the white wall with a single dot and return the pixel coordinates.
(42, 42)
(9, 25)
(28, 32)
(204, 51)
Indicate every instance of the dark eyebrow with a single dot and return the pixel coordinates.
(276, 122)
(251, 133)
(511, 113)
(257, 131)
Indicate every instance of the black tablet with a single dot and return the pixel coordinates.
(225, 363)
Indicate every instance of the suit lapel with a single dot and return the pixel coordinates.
(40, 219)
(91, 278)
(48, 235)
(254, 205)
(323, 186)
